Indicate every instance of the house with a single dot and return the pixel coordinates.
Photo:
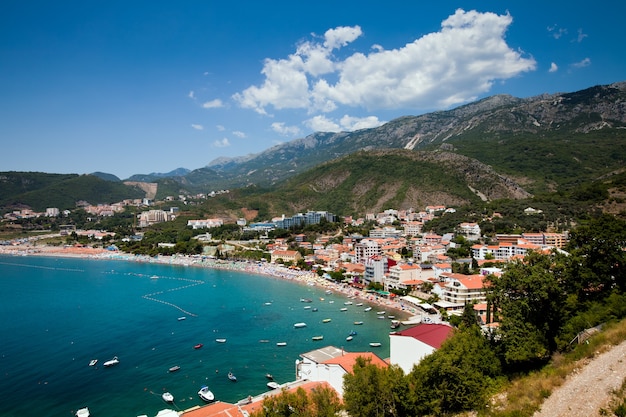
(408, 347)
(286, 256)
(330, 364)
(463, 289)
(400, 274)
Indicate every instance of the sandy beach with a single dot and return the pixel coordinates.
(260, 268)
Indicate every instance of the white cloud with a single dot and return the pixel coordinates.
(556, 31)
(191, 95)
(347, 123)
(581, 36)
(581, 64)
(220, 128)
(239, 134)
(224, 143)
(213, 104)
(553, 67)
(197, 127)
(438, 70)
(280, 127)
(322, 124)
(355, 123)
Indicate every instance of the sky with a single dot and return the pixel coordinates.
(143, 86)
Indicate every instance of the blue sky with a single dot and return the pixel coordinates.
(130, 87)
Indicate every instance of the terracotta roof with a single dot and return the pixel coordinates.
(431, 334)
(347, 360)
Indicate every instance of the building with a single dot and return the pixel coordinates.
(330, 364)
(408, 347)
(205, 223)
(375, 269)
(400, 274)
(286, 256)
(463, 289)
(366, 249)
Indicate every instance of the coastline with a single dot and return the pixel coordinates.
(250, 267)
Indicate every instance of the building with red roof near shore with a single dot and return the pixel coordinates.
(408, 347)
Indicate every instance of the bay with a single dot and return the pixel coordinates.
(56, 314)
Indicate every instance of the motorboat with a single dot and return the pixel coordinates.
(205, 394)
(83, 412)
(348, 303)
(198, 346)
(328, 292)
(375, 344)
(268, 304)
(358, 323)
(368, 309)
(273, 385)
(314, 309)
(112, 362)
(232, 377)
(182, 318)
(299, 325)
(281, 344)
(326, 321)
(317, 338)
(352, 333)
(269, 376)
(174, 368)
(306, 300)
(380, 313)
(167, 397)
(349, 338)
(220, 340)
(344, 309)
(358, 304)
(307, 307)
(395, 324)
(93, 362)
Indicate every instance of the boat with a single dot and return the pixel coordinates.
(299, 325)
(358, 323)
(380, 313)
(307, 307)
(375, 344)
(317, 338)
(328, 292)
(395, 324)
(331, 302)
(349, 338)
(182, 318)
(198, 346)
(232, 377)
(352, 333)
(167, 397)
(368, 309)
(220, 340)
(205, 394)
(391, 317)
(264, 341)
(174, 368)
(268, 304)
(358, 304)
(83, 412)
(93, 362)
(344, 309)
(273, 385)
(112, 362)
(269, 376)
(314, 309)
(326, 321)
(348, 303)
(281, 344)
(306, 300)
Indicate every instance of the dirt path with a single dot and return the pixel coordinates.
(588, 389)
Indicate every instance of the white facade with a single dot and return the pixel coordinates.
(366, 249)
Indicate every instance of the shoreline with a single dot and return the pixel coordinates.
(249, 267)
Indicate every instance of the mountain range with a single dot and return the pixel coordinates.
(497, 147)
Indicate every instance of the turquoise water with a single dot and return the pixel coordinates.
(57, 314)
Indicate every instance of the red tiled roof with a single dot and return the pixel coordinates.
(347, 360)
(431, 334)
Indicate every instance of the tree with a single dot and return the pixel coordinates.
(455, 378)
(530, 299)
(321, 402)
(373, 391)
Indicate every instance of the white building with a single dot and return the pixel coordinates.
(408, 347)
(366, 249)
(330, 364)
(375, 269)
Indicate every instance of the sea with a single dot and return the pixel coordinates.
(57, 314)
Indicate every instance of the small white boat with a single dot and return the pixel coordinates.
(328, 292)
(174, 368)
(268, 304)
(344, 309)
(375, 344)
(205, 394)
(281, 344)
(307, 307)
(349, 338)
(273, 385)
(368, 309)
(348, 303)
(167, 397)
(326, 321)
(83, 412)
(380, 313)
(358, 304)
(232, 377)
(112, 362)
(317, 338)
(299, 325)
(93, 362)
(182, 318)
(220, 340)
(358, 323)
